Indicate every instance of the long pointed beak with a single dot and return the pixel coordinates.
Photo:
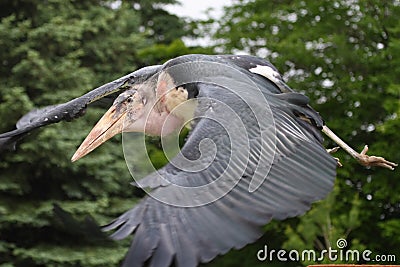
(108, 126)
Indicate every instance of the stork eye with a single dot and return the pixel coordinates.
(129, 99)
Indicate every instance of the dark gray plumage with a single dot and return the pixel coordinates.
(301, 173)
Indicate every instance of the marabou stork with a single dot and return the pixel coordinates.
(265, 144)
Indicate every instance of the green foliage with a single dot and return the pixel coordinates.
(343, 55)
(160, 52)
(320, 229)
(67, 256)
(51, 52)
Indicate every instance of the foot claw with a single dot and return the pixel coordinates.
(333, 150)
(366, 160)
(339, 164)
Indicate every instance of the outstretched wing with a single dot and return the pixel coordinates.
(291, 166)
(72, 109)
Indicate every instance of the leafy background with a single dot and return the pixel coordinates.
(343, 54)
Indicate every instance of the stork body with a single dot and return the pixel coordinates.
(265, 144)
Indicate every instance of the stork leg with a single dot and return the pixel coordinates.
(362, 157)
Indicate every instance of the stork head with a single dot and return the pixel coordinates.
(147, 108)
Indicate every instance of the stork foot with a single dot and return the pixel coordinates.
(333, 150)
(366, 160)
(339, 164)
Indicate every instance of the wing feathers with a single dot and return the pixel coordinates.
(301, 173)
(72, 109)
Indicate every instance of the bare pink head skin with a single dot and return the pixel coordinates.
(143, 110)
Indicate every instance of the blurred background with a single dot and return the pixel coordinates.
(343, 54)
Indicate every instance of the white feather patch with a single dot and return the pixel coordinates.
(267, 72)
